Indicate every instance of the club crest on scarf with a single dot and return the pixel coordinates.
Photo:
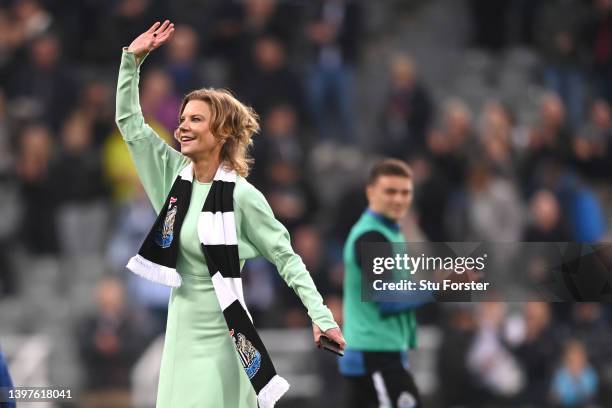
(249, 356)
(165, 235)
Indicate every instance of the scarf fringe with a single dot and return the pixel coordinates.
(154, 272)
(271, 393)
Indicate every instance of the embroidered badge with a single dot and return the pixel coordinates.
(249, 356)
(164, 237)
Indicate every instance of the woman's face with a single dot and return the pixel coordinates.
(194, 133)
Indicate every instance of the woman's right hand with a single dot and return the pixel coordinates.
(151, 39)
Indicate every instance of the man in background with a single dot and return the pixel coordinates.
(378, 334)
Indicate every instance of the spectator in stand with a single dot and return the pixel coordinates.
(346, 213)
(267, 17)
(495, 369)
(291, 197)
(12, 38)
(537, 352)
(130, 226)
(458, 122)
(591, 145)
(96, 105)
(309, 246)
(76, 173)
(307, 242)
(111, 340)
(450, 146)
(43, 88)
(78, 28)
(335, 37)
(407, 111)
(490, 209)
(583, 208)
(567, 186)
(156, 99)
(575, 382)
(32, 20)
(495, 140)
(431, 196)
(119, 22)
(181, 60)
(225, 29)
(236, 26)
(271, 82)
(159, 100)
(545, 224)
(9, 205)
(456, 382)
(279, 140)
(591, 326)
(260, 282)
(549, 141)
(598, 29)
(560, 41)
(38, 227)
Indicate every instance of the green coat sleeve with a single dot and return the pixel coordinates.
(271, 239)
(157, 163)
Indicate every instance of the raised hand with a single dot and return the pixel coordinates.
(151, 39)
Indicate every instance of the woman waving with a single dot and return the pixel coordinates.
(210, 220)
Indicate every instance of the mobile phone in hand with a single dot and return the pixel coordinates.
(330, 345)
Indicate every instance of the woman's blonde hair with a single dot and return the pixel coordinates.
(231, 121)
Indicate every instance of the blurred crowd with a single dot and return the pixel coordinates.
(530, 355)
(69, 189)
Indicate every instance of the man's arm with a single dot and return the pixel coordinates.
(385, 308)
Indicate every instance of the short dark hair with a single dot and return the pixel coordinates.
(389, 167)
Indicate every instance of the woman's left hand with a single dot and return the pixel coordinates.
(333, 334)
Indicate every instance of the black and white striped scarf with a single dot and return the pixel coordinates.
(156, 261)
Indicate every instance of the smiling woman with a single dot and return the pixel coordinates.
(210, 220)
(213, 123)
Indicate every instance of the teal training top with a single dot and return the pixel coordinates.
(365, 328)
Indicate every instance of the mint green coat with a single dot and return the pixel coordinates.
(199, 367)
